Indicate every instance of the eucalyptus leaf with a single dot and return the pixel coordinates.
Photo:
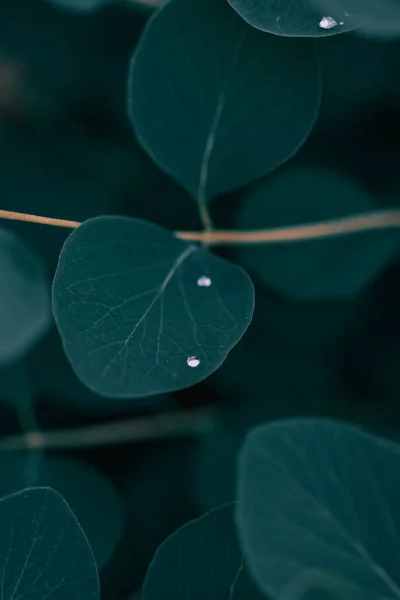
(90, 494)
(215, 102)
(319, 495)
(320, 267)
(141, 312)
(201, 560)
(287, 18)
(25, 308)
(44, 553)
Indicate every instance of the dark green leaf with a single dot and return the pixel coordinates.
(287, 18)
(319, 268)
(25, 310)
(217, 103)
(44, 553)
(202, 560)
(90, 495)
(142, 312)
(320, 495)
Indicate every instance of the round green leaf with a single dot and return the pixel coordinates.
(90, 495)
(44, 554)
(323, 496)
(318, 268)
(25, 309)
(142, 312)
(288, 18)
(201, 560)
(215, 102)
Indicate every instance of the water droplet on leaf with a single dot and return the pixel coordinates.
(192, 361)
(327, 23)
(204, 281)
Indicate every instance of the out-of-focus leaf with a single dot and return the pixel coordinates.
(90, 494)
(217, 103)
(25, 309)
(320, 495)
(201, 560)
(43, 550)
(320, 267)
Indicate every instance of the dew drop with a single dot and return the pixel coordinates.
(192, 361)
(327, 23)
(204, 281)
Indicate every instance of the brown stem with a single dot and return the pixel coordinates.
(297, 233)
(183, 423)
(16, 216)
(352, 224)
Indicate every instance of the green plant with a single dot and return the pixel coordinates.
(221, 94)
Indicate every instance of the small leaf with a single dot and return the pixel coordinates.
(321, 267)
(44, 553)
(90, 494)
(323, 496)
(142, 312)
(25, 309)
(217, 103)
(286, 18)
(202, 560)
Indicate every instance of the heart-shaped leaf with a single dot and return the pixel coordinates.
(215, 102)
(320, 495)
(141, 312)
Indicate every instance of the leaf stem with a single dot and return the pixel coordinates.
(161, 426)
(385, 219)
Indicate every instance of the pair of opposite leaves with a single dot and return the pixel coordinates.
(141, 312)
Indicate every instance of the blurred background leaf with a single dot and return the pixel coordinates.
(37, 559)
(90, 495)
(202, 559)
(320, 268)
(25, 308)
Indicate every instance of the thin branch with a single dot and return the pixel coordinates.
(297, 233)
(161, 426)
(16, 216)
(353, 224)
